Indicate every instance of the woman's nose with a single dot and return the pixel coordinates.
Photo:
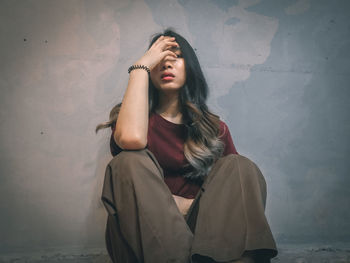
(167, 64)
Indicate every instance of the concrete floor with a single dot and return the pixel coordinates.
(323, 254)
(287, 254)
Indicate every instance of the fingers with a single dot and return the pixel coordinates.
(158, 40)
(168, 44)
(165, 42)
(168, 49)
(168, 54)
(162, 48)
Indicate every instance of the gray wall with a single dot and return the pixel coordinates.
(279, 77)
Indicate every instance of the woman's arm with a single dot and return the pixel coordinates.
(132, 124)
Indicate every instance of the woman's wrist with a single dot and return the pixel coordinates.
(139, 66)
(144, 62)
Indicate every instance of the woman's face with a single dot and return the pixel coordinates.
(170, 73)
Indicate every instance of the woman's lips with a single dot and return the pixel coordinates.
(167, 78)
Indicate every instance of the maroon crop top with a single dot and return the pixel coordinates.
(165, 140)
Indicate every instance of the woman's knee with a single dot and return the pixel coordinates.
(239, 158)
(133, 163)
(248, 174)
(127, 159)
(252, 175)
(253, 170)
(245, 166)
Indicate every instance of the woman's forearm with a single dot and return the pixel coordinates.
(132, 124)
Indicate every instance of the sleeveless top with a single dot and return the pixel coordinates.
(166, 140)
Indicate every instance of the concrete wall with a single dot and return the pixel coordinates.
(278, 73)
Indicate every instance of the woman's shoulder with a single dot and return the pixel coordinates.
(224, 130)
(226, 137)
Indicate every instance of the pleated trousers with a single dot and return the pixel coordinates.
(225, 220)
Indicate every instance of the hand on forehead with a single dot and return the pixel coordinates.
(167, 37)
(174, 49)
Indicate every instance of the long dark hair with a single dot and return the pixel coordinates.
(202, 146)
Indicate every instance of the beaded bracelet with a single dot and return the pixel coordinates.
(139, 66)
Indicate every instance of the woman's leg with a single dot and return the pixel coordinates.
(150, 223)
(230, 218)
(117, 247)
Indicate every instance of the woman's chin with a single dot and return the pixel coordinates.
(169, 88)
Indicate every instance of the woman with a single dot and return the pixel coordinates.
(177, 190)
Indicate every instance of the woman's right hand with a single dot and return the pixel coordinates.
(158, 51)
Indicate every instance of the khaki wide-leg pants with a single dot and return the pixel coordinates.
(225, 219)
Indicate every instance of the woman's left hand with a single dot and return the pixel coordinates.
(183, 203)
